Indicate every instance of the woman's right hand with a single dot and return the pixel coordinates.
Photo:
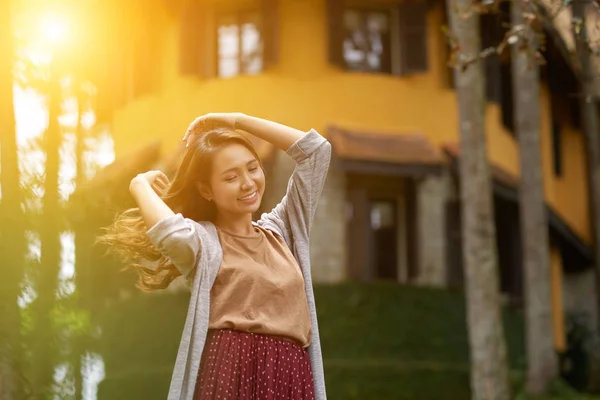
(157, 180)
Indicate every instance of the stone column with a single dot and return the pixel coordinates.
(579, 292)
(432, 194)
(329, 230)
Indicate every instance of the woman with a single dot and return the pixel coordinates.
(251, 329)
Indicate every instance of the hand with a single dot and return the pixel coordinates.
(209, 122)
(157, 180)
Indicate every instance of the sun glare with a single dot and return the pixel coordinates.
(54, 28)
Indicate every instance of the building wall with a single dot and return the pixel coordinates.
(304, 90)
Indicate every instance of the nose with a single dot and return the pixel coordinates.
(247, 182)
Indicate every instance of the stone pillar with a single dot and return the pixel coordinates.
(579, 292)
(432, 194)
(328, 235)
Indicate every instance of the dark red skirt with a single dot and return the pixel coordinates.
(241, 365)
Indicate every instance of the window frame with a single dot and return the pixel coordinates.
(239, 15)
(394, 8)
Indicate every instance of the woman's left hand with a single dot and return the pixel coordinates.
(208, 122)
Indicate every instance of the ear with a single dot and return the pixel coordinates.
(205, 191)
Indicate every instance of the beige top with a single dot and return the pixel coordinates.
(259, 288)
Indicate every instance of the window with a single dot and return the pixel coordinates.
(380, 38)
(366, 45)
(239, 44)
(224, 39)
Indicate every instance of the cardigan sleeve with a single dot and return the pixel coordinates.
(312, 154)
(180, 240)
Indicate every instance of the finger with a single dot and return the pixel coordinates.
(189, 130)
(161, 185)
(159, 182)
(164, 181)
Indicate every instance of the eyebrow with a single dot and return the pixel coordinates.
(234, 168)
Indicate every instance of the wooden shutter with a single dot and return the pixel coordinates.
(490, 37)
(270, 30)
(412, 17)
(493, 79)
(557, 148)
(192, 39)
(336, 32)
(110, 75)
(506, 96)
(144, 67)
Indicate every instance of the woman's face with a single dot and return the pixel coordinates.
(237, 183)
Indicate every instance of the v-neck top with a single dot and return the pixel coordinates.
(259, 288)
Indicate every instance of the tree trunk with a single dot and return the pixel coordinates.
(489, 367)
(12, 225)
(82, 250)
(589, 121)
(542, 363)
(50, 228)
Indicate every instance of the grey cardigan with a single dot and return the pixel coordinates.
(194, 248)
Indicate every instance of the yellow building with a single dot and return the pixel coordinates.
(372, 77)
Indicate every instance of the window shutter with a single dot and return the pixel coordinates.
(491, 37)
(192, 40)
(144, 69)
(336, 32)
(110, 74)
(270, 32)
(506, 96)
(493, 91)
(557, 148)
(413, 37)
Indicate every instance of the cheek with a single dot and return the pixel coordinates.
(222, 192)
(260, 180)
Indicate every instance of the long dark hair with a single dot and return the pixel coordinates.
(127, 238)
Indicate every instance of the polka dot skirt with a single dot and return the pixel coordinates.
(241, 365)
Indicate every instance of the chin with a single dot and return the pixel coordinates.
(253, 209)
(250, 208)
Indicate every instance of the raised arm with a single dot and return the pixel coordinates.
(175, 237)
(279, 135)
(293, 216)
(144, 189)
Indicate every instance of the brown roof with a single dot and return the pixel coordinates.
(498, 173)
(409, 148)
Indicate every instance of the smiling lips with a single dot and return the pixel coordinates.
(251, 197)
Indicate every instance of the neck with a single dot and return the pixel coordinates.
(237, 224)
